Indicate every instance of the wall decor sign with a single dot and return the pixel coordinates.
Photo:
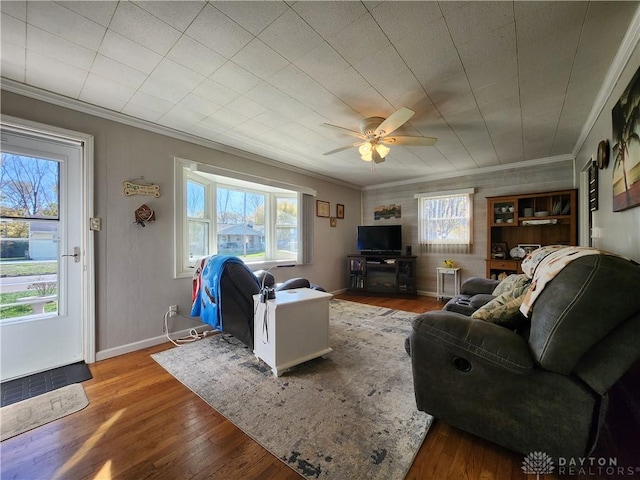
(333, 221)
(131, 188)
(340, 210)
(626, 147)
(387, 211)
(322, 208)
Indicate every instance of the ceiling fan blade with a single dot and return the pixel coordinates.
(343, 130)
(394, 121)
(403, 140)
(341, 149)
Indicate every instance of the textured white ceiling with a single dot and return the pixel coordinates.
(496, 82)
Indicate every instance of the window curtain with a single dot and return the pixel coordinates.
(307, 228)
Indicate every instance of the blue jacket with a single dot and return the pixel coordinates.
(207, 302)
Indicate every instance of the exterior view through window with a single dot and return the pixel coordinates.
(235, 217)
(29, 211)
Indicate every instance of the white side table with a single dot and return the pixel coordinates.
(441, 273)
(292, 328)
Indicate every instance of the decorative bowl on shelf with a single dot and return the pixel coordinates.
(541, 213)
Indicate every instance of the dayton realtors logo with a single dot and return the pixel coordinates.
(539, 463)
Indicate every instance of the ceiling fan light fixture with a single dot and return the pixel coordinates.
(367, 157)
(382, 150)
(365, 149)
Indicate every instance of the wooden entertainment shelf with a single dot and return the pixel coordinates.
(387, 275)
(530, 220)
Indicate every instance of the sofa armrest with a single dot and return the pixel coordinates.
(472, 339)
(297, 282)
(475, 285)
(480, 300)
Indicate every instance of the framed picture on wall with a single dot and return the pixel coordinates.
(339, 210)
(322, 208)
(626, 157)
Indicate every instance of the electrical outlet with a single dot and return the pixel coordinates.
(173, 310)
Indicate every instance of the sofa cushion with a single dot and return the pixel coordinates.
(504, 309)
(513, 281)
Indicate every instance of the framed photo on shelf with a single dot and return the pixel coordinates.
(339, 210)
(529, 247)
(499, 250)
(322, 208)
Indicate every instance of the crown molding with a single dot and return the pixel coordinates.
(477, 171)
(625, 51)
(96, 111)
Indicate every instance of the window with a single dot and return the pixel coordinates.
(446, 221)
(218, 214)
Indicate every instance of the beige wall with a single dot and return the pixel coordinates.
(134, 266)
(619, 232)
(530, 179)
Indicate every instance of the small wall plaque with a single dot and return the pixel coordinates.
(131, 188)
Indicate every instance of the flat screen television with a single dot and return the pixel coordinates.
(379, 239)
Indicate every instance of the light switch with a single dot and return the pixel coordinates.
(96, 224)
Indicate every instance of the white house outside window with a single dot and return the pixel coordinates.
(446, 221)
(216, 214)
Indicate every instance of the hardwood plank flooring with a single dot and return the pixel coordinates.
(142, 423)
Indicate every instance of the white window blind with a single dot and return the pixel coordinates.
(446, 221)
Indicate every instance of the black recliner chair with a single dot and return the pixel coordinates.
(235, 294)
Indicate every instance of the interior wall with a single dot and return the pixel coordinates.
(617, 232)
(134, 266)
(543, 177)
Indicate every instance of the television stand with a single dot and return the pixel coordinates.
(382, 274)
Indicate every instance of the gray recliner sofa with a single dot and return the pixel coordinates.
(545, 387)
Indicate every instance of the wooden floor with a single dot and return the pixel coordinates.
(141, 423)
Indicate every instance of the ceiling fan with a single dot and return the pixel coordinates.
(374, 133)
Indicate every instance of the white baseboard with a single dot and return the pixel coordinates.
(149, 342)
(427, 294)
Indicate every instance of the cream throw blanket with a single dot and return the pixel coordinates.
(545, 263)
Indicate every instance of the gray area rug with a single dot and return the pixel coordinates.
(34, 412)
(351, 415)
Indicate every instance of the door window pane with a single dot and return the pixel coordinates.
(29, 187)
(29, 235)
(28, 256)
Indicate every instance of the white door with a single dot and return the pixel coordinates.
(41, 324)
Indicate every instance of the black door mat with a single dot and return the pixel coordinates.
(19, 389)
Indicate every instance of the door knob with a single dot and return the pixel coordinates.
(76, 254)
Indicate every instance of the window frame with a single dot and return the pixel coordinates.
(184, 172)
(444, 246)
